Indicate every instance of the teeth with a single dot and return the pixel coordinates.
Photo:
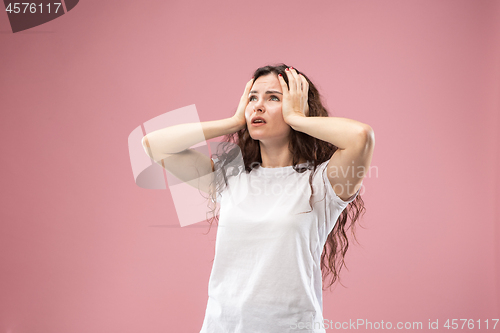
(258, 121)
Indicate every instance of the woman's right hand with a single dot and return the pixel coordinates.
(239, 116)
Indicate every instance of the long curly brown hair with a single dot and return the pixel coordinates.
(302, 146)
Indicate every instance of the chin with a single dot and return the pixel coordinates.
(256, 137)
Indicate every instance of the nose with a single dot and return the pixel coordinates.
(258, 106)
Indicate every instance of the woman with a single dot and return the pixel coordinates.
(300, 169)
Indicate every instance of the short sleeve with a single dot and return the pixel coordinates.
(232, 171)
(330, 193)
(218, 194)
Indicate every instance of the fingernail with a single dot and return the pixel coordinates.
(286, 69)
(291, 67)
(280, 75)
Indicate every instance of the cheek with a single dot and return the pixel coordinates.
(276, 111)
(277, 119)
(248, 113)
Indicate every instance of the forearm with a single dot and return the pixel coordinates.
(341, 132)
(174, 139)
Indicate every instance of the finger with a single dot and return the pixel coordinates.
(292, 83)
(305, 84)
(248, 87)
(249, 84)
(297, 79)
(283, 84)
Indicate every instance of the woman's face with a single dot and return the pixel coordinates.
(265, 101)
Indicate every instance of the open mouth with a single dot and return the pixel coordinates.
(258, 122)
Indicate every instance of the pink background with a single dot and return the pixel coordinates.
(84, 249)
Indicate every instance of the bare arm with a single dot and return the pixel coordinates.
(175, 139)
(169, 146)
(355, 140)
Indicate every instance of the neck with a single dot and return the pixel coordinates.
(277, 155)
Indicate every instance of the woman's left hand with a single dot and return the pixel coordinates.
(294, 98)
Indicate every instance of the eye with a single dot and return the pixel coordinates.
(250, 99)
(276, 98)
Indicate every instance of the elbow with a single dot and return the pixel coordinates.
(147, 148)
(367, 136)
(368, 132)
(145, 142)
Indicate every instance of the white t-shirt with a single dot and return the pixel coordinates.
(266, 274)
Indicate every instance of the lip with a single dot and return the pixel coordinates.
(258, 124)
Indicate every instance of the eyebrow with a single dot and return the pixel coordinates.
(267, 92)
